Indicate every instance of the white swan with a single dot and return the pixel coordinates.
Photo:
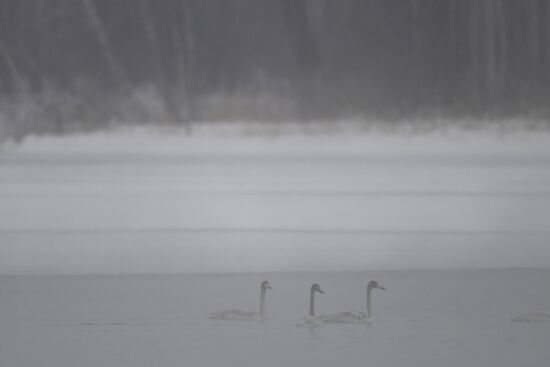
(242, 314)
(354, 316)
(311, 320)
(532, 317)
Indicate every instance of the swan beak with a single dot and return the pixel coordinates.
(269, 287)
(320, 291)
(382, 288)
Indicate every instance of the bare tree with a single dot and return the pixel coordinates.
(106, 45)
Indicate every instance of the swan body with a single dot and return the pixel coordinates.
(240, 315)
(310, 320)
(354, 316)
(234, 315)
(532, 317)
(346, 316)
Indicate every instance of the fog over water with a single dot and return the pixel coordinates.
(227, 200)
(215, 183)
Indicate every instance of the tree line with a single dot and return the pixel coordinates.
(70, 60)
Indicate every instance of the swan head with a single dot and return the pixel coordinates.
(374, 284)
(315, 288)
(265, 285)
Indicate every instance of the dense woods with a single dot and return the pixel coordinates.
(73, 64)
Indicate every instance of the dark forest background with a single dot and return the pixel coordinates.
(69, 65)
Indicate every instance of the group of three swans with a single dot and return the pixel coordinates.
(310, 319)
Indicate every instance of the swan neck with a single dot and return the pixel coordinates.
(312, 303)
(369, 306)
(262, 302)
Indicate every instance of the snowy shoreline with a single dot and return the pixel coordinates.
(148, 201)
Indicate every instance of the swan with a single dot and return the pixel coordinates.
(354, 316)
(532, 317)
(242, 314)
(311, 320)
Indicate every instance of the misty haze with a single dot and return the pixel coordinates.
(274, 183)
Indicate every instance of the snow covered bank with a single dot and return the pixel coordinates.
(229, 198)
